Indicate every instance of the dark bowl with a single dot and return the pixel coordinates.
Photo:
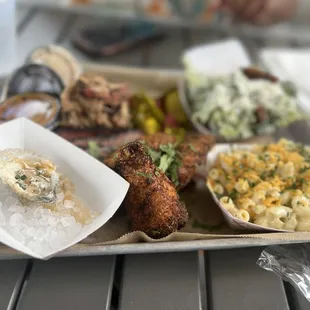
(33, 78)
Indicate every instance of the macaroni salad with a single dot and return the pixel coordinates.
(268, 185)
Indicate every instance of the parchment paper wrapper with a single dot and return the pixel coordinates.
(206, 222)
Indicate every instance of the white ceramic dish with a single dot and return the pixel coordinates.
(100, 188)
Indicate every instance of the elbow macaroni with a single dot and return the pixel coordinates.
(303, 225)
(267, 185)
(243, 215)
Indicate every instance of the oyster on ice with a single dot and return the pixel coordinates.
(30, 176)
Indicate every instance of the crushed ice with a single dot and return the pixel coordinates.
(40, 229)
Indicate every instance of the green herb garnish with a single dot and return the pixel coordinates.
(155, 232)
(20, 177)
(293, 186)
(192, 147)
(302, 170)
(172, 173)
(233, 194)
(154, 154)
(252, 184)
(272, 173)
(94, 149)
(261, 157)
(21, 185)
(167, 160)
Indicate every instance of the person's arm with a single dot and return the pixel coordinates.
(261, 12)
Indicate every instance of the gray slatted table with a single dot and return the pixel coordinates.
(163, 274)
(216, 280)
(236, 280)
(89, 287)
(12, 275)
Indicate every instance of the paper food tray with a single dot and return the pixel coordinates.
(100, 188)
(232, 221)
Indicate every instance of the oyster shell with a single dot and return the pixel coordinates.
(30, 176)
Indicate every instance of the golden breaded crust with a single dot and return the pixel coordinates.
(193, 152)
(154, 141)
(152, 202)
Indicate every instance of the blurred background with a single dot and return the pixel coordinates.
(171, 27)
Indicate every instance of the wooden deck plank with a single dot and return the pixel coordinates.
(237, 282)
(167, 281)
(11, 275)
(43, 29)
(70, 283)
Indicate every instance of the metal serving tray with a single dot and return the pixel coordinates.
(166, 79)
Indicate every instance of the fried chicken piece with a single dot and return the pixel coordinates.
(152, 202)
(190, 153)
(156, 140)
(193, 152)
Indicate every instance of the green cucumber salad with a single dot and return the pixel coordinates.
(236, 107)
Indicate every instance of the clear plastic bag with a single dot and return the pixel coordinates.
(291, 263)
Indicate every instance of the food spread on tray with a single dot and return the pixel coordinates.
(267, 185)
(149, 141)
(243, 104)
(38, 205)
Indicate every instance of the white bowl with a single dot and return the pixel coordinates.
(100, 188)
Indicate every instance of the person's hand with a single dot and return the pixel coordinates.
(262, 12)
